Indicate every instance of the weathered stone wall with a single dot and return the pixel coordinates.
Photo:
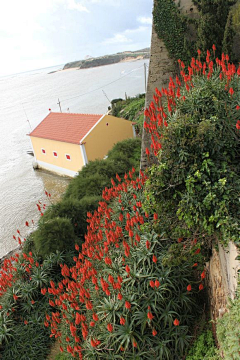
(161, 67)
(222, 276)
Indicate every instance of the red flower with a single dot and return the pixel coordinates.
(43, 291)
(120, 296)
(127, 305)
(122, 321)
(154, 332)
(152, 284)
(26, 223)
(147, 244)
(150, 315)
(134, 343)
(203, 275)
(197, 251)
(95, 317)
(231, 91)
(199, 52)
(189, 287)
(157, 283)
(127, 268)
(200, 287)
(214, 47)
(154, 259)
(147, 152)
(176, 322)
(110, 327)
(195, 264)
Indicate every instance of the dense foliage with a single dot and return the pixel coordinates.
(228, 330)
(195, 133)
(23, 334)
(96, 175)
(130, 109)
(120, 299)
(184, 34)
(203, 348)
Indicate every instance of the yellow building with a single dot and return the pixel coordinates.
(64, 142)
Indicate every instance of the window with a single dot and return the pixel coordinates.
(55, 154)
(43, 151)
(68, 157)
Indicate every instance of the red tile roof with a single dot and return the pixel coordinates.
(65, 126)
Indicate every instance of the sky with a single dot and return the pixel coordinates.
(41, 33)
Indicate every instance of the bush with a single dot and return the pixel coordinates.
(96, 175)
(228, 330)
(29, 341)
(131, 109)
(197, 142)
(52, 235)
(125, 298)
(23, 307)
(203, 348)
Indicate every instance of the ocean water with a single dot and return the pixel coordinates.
(25, 100)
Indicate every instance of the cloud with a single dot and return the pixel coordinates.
(124, 37)
(105, 2)
(73, 5)
(145, 20)
(116, 39)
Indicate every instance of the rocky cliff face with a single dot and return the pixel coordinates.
(109, 59)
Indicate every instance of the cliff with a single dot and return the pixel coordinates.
(109, 59)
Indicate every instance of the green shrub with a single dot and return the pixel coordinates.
(198, 176)
(53, 235)
(131, 109)
(96, 175)
(23, 335)
(29, 341)
(61, 357)
(203, 348)
(228, 332)
(149, 285)
(71, 209)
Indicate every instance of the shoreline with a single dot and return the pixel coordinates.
(129, 59)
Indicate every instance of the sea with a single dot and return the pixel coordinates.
(25, 100)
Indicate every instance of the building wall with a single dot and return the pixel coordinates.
(105, 134)
(57, 164)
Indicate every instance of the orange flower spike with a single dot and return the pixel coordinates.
(154, 332)
(110, 327)
(176, 322)
(201, 287)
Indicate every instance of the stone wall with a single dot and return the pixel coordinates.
(222, 277)
(161, 67)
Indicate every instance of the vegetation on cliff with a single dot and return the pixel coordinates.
(109, 59)
(184, 34)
